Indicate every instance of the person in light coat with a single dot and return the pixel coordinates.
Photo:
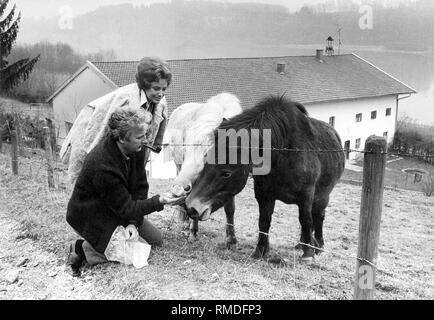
(153, 77)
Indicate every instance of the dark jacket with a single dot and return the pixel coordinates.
(110, 191)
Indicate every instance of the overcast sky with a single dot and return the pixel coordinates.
(50, 8)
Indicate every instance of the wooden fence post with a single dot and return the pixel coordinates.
(49, 157)
(14, 151)
(53, 140)
(19, 138)
(370, 216)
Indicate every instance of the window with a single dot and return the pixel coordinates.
(359, 117)
(374, 115)
(358, 143)
(388, 112)
(332, 121)
(68, 126)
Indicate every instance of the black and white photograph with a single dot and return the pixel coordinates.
(216, 155)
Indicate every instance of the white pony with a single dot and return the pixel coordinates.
(188, 139)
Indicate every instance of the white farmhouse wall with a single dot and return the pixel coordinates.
(345, 118)
(161, 166)
(67, 104)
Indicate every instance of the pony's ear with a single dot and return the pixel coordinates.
(224, 120)
(301, 108)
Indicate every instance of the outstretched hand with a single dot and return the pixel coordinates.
(171, 199)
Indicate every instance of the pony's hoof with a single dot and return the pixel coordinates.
(306, 260)
(298, 246)
(260, 254)
(277, 260)
(319, 251)
(192, 238)
(231, 243)
(231, 246)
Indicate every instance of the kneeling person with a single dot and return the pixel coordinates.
(112, 190)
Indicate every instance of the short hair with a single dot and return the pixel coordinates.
(123, 119)
(152, 69)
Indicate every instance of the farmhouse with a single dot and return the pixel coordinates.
(348, 92)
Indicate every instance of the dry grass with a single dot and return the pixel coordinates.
(428, 185)
(207, 270)
(395, 177)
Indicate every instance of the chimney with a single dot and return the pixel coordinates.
(319, 54)
(281, 67)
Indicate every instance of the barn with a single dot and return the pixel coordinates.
(356, 97)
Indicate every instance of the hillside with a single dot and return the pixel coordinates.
(34, 236)
(211, 29)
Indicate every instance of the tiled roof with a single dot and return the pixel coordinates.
(306, 79)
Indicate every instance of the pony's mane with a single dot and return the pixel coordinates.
(283, 116)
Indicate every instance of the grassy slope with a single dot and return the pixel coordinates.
(394, 177)
(206, 270)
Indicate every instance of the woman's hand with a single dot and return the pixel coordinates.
(171, 199)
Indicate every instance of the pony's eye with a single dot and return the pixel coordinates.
(226, 174)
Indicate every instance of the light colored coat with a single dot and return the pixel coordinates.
(91, 125)
(189, 133)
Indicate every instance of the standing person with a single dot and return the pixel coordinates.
(112, 190)
(153, 77)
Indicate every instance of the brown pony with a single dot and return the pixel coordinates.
(306, 161)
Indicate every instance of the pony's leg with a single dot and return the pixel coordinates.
(231, 240)
(181, 211)
(266, 208)
(194, 228)
(318, 215)
(306, 221)
(194, 225)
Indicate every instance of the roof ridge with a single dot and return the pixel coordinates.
(117, 61)
(226, 58)
(381, 70)
(304, 79)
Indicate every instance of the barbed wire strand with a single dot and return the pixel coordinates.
(326, 251)
(392, 153)
(292, 150)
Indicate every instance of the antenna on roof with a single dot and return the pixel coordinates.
(339, 40)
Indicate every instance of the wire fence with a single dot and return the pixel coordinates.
(284, 261)
(389, 153)
(35, 165)
(38, 164)
(322, 250)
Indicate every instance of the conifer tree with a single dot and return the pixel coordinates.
(11, 75)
